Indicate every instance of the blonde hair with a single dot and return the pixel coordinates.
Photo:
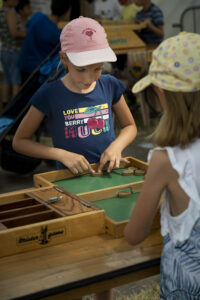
(180, 122)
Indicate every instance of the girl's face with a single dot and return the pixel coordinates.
(82, 79)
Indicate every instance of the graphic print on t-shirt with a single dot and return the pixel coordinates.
(82, 122)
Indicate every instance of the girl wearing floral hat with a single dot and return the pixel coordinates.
(174, 165)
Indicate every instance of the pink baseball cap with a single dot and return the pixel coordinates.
(85, 42)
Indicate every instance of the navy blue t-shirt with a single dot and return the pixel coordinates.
(80, 123)
(42, 37)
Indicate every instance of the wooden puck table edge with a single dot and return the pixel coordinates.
(124, 194)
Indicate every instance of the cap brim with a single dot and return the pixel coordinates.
(85, 58)
(141, 84)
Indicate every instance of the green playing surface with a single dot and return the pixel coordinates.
(118, 209)
(87, 183)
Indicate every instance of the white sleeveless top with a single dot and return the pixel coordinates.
(187, 163)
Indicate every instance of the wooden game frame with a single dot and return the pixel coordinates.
(112, 227)
(46, 179)
(44, 233)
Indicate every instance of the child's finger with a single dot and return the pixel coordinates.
(90, 169)
(125, 160)
(74, 171)
(111, 166)
(101, 165)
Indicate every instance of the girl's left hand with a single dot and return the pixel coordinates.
(113, 157)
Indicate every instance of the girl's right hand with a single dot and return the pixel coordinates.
(75, 162)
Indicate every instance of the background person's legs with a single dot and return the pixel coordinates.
(6, 93)
(11, 76)
(15, 89)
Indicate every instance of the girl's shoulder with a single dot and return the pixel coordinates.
(159, 160)
(107, 77)
(48, 87)
(110, 80)
(179, 158)
(112, 85)
(165, 155)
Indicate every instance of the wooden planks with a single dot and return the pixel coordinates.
(29, 223)
(80, 267)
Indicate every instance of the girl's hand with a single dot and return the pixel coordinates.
(75, 162)
(148, 22)
(113, 157)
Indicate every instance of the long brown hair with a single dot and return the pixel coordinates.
(180, 122)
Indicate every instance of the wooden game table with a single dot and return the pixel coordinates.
(78, 268)
(80, 251)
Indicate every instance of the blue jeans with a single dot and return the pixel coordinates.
(180, 268)
(11, 72)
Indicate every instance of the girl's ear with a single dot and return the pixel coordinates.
(63, 57)
(161, 91)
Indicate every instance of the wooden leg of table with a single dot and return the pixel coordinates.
(105, 295)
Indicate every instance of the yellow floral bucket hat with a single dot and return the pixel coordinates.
(175, 65)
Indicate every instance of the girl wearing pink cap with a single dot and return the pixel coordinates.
(174, 164)
(78, 107)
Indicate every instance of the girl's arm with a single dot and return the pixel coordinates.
(11, 18)
(158, 30)
(126, 136)
(24, 144)
(157, 178)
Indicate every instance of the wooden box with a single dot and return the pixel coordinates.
(51, 214)
(86, 183)
(117, 208)
(30, 219)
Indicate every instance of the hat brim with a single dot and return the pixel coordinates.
(91, 57)
(141, 84)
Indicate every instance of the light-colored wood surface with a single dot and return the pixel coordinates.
(124, 41)
(27, 224)
(79, 267)
(88, 264)
(122, 23)
(114, 23)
